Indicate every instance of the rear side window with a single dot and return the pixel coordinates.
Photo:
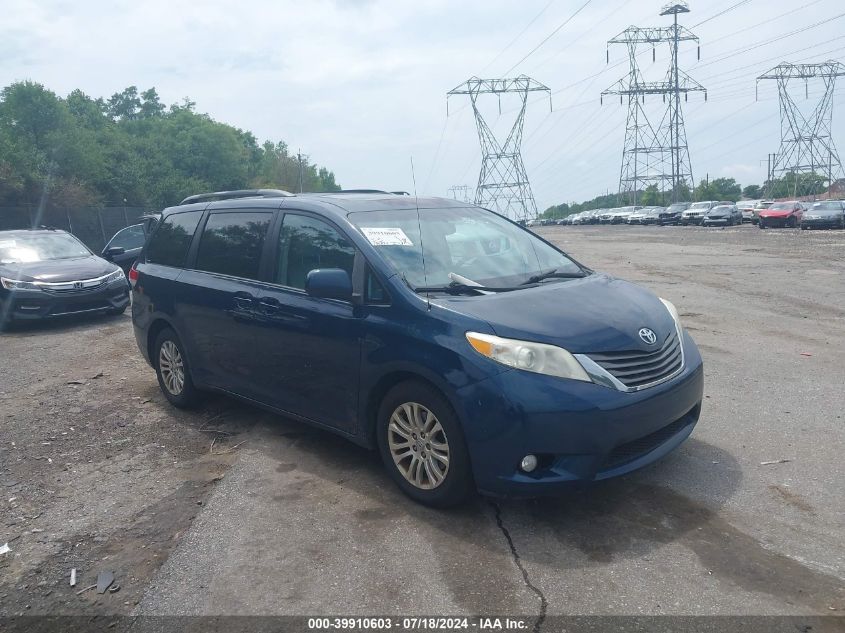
(169, 245)
(308, 243)
(231, 243)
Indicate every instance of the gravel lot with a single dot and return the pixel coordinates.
(229, 510)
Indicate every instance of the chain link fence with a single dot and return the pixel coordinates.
(93, 225)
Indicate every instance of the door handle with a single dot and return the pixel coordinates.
(244, 301)
(270, 306)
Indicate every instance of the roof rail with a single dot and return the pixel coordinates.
(359, 191)
(240, 193)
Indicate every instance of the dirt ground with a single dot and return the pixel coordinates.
(99, 473)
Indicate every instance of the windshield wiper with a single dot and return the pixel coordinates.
(456, 289)
(553, 273)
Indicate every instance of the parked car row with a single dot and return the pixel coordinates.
(764, 213)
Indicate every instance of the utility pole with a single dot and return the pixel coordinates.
(503, 182)
(806, 148)
(299, 158)
(655, 154)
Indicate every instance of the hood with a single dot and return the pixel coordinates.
(775, 213)
(594, 314)
(58, 270)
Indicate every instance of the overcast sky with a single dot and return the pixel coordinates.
(361, 85)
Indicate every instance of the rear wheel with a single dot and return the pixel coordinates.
(422, 445)
(174, 377)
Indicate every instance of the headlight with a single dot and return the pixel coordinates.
(672, 310)
(118, 274)
(535, 357)
(14, 284)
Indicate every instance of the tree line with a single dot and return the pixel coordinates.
(131, 149)
(716, 189)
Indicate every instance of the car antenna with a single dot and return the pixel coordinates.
(419, 224)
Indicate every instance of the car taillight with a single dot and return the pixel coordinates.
(133, 274)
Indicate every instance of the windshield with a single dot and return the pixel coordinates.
(720, 209)
(827, 206)
(700, 205)
(674, 208)
(782, 206)
(470, 242)
(40, 247)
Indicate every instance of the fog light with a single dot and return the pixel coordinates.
(528, 463)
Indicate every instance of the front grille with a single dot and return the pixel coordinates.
(635, 368)
(634, 449)
(85, 288)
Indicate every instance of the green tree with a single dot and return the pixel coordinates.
(83, 151)
(718, 189)
(651, 197)
(753, 192)
(792, 185)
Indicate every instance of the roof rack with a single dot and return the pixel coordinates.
(240, 193)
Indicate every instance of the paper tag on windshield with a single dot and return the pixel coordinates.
(386, 236)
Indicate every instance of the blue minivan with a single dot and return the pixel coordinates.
(469, 351)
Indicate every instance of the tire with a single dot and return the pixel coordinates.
(405, 412)
(176, 368)
(760, 225)
(791, 223)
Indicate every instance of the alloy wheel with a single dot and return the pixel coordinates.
(418, 445)
(172, 367)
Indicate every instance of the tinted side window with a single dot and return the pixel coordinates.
(130, 237)
(231, 243)
(308, 243)
(170, 244)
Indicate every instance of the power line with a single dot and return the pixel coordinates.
(549, 36)
(521, 33)
(730, 8)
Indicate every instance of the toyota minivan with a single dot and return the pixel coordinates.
(471, 353)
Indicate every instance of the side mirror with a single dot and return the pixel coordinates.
(113, 252)
(329, 283)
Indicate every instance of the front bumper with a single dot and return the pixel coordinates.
(581, 432)
(33, 305)
(694, 219)
(822, 223)
(780, 222)
(714, 222)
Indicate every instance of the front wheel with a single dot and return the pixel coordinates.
(174, 377)
(422, 445)
(792, 222)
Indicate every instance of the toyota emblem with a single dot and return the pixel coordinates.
(648, 336)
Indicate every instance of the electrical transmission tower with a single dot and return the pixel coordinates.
(806, 148)
(655, 154)
(503, 182)
(459, 190)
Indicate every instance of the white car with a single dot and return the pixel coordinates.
(697, 211)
